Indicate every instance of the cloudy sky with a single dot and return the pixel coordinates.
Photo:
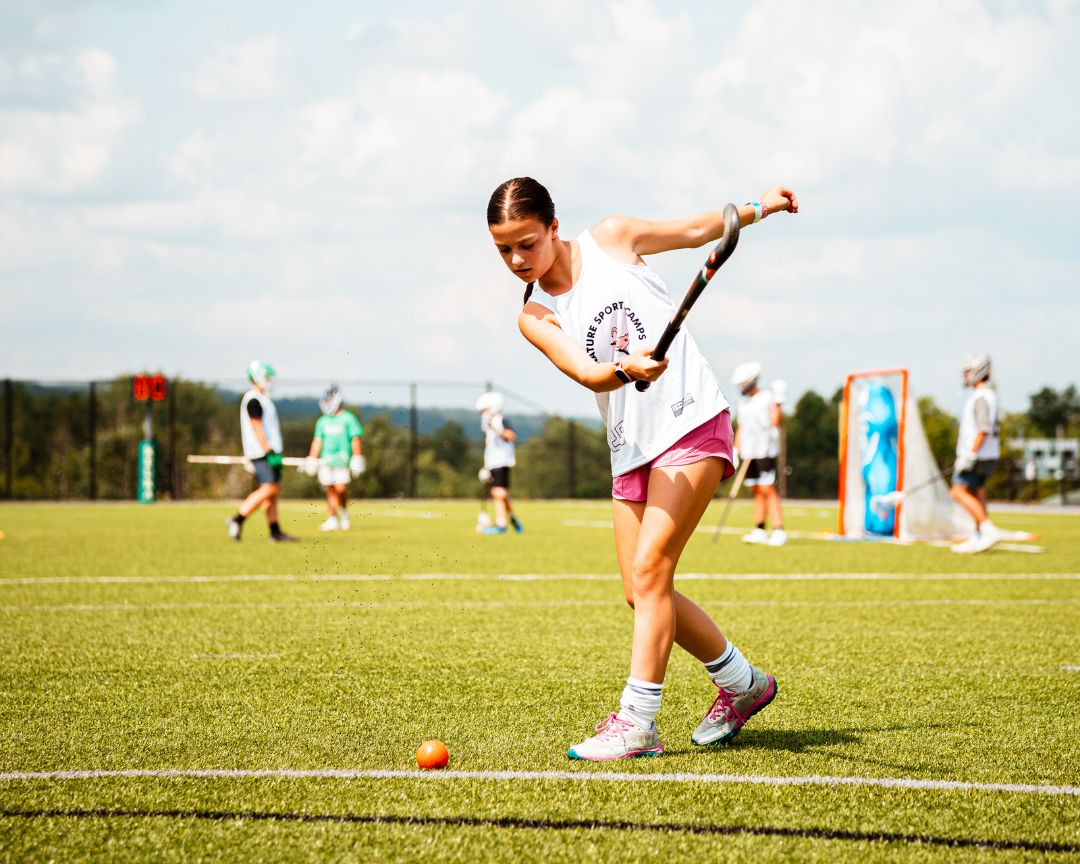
(187, 185)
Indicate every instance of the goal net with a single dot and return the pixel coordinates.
(883, 450)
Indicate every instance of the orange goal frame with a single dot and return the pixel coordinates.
(845, 408)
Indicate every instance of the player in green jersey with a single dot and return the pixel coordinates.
(336, 455)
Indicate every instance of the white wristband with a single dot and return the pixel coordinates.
(758, 214)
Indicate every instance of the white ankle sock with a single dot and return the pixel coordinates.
(640, 701)
(731, 671)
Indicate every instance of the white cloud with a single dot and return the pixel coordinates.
(247, 71)
(356, 175)
(62, 151)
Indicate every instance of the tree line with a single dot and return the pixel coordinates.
(50, 454)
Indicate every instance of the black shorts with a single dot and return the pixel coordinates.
(759, 467)
(976, 478)
(500, 477)
(264, 473)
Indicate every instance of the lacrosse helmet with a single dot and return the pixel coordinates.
(331, 400)
(976, 368)
(261, 373)
(490, 403)
(746, 375)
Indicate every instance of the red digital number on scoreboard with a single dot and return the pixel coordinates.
(148, 388)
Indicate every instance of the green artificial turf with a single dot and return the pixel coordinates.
(113, 657)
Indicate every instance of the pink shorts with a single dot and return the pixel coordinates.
(711, 439)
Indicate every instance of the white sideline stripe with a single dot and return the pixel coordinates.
(825, 535)
(326, 604)
(522, 577)
(497, 604)
(1071, 668)
(581, 776)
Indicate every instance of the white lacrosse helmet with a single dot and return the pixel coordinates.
(746, 374)
(490, 403)
(976, 368)
(331, 400)
(262, 373)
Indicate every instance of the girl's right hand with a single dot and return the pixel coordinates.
(641, 367)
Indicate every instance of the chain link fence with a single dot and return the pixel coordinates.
(81, 439)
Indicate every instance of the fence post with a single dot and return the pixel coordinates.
(172, 441)
(9, 438)
(571, 458)
(413, 443)
(91, 474)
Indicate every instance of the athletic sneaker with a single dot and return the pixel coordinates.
(778, 537)
(517, 525)
(331, 524)
(617, 739)
(986, 537)
(758, 535)
(343, 520)
(495, 529)
(234, 528)
(730, 711)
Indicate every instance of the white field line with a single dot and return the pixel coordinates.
(523, 577)
(401, 514)
(1068, 668)
(500, 604)
(575, 776)
(826, 535)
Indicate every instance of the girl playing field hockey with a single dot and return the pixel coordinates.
(595, 309)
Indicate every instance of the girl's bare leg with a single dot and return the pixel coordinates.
(677, 498)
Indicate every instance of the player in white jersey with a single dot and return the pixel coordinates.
(260, 433)
(978, 447)
(595, 309)
(757, 438)
(499, 458)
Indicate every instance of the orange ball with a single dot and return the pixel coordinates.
(432, 754)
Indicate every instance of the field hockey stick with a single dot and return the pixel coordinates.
(882, 504)
(736, 485)
(720, 253)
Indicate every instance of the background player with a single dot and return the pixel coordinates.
(260, 433)
(499, 438)
(757, 438)
(336, 454)
(978, 447)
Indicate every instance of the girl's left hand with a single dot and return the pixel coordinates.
(641, 367)
(780, 198)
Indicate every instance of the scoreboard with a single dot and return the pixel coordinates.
(148, 388)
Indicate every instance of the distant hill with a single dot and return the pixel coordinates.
(428, 420)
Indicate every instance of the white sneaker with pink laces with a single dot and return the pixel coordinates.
(617, 739)
(730, 711)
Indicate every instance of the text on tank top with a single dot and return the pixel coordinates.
(613, 311)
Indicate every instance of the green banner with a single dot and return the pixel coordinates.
(147, 471)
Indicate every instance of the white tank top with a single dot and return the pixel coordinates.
(758, 438)
(271, 427)
(498, 452)
(970, 426)
(613, 310)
